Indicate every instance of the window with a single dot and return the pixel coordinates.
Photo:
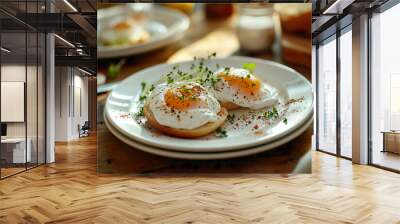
(385, 89)
(327, 96)
(346, 93)
(22, 78)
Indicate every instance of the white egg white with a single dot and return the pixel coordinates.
(190, 119)
(134, 34)
(267, 96)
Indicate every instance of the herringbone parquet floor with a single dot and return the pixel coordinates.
(70, 191)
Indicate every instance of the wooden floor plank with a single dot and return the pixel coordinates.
(70, 191)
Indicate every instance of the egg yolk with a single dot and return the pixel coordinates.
(248, 85)
(122, 25)
(185, 98)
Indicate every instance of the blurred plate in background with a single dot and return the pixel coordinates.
(163, 25)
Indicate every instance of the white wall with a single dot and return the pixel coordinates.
(61, 104)
(12, 73)
(33, 127)
(70, 84)
(80, 100)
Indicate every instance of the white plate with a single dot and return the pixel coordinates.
(164, 25)
(123, 101)
(208, 155)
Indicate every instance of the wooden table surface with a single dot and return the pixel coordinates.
(203, 37)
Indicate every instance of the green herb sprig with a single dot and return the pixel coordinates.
(249, 67)
(271, 114)
(140, 112)
(199, 72)
(221, 133)
(146, 90)
(231, 118)
(114, 69)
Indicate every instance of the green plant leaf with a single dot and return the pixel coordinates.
(249, 67)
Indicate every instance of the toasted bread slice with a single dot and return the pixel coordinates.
(185, 133)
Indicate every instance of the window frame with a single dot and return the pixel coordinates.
(334, 37)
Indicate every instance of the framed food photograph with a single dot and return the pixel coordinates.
(192, 87)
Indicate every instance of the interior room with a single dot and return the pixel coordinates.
(71, 112)
(22, 98)
(339, 53)
(47, 81)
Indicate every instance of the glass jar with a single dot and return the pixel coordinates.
(255, 26)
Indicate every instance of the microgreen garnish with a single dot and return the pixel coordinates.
(271, 114)
(114, 69)
(142, 98)
(221, 133)
(180, 94)
(285, 120)
(212, 55)
(214, 80)
(170, 80)
(143, 84)
(249, 67)
(146, 89)
(231, 118)
(185, 89)
(199, 72)
(140, 112)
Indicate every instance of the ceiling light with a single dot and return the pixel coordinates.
(5, 50)
(79, 51)
(65, 41)
(70, 5)
(84, 71)
(337, 7)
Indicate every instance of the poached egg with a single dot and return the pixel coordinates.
(183, 105)
(241, 87)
